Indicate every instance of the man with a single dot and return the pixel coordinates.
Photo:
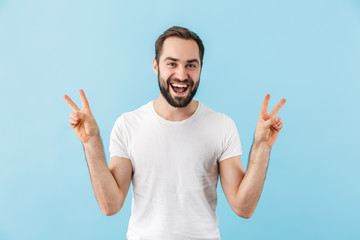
(173, 149)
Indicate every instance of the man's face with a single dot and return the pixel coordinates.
(178, 71)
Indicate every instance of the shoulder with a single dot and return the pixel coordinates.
(141, 112)
(213, 115)
(219, 120)
(134, 116)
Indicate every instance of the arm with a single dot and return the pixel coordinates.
(241, 189)
(110, 183)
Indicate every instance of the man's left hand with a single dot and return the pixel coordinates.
(268, 126)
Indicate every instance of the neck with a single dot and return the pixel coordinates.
(170, 113)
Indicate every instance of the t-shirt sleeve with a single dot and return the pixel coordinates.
(118, 139)
(231, 140)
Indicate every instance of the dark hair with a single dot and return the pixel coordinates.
(179, 32)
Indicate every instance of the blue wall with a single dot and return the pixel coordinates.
(305, 51)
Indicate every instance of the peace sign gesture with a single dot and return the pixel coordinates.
(268, 126)
(82, 121)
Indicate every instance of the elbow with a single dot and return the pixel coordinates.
(111, 206)
(246, 216)
(244, 213)
(109, 211)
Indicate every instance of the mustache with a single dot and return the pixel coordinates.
(176, 80)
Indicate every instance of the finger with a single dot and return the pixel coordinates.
(278, 127)
(272, 122)
(277, 107)
(84, 101)
(71, 103)
(265, 104)
(73, 122)
(76, 116)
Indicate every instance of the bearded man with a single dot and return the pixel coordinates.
(173, 149)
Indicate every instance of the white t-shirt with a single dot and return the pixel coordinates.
(175, 168)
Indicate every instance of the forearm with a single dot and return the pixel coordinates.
(106, 190)
(251, 186)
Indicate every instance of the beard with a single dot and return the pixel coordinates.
(177, 102)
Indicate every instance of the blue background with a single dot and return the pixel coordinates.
(305, 51)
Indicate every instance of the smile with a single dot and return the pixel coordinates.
(179, 89)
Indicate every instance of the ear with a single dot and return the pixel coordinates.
(155, 66)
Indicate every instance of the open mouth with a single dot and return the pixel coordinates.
(179, 89)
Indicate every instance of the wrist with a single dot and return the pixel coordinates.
(261, 146)
(95, 140)
(259, 155)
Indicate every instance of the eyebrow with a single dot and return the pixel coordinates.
(176, 60)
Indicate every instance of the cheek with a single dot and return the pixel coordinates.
(195, 76)
(165, 74)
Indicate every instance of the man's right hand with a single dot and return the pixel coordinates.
(82, 121)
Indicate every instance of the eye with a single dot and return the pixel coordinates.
(191, 66)
(171, 64)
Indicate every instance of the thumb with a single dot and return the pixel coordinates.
(272, 121)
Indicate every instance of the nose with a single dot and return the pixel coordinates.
(181, 73)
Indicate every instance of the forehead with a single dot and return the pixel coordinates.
(183, 49)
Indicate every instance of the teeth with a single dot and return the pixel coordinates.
(178, 85)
